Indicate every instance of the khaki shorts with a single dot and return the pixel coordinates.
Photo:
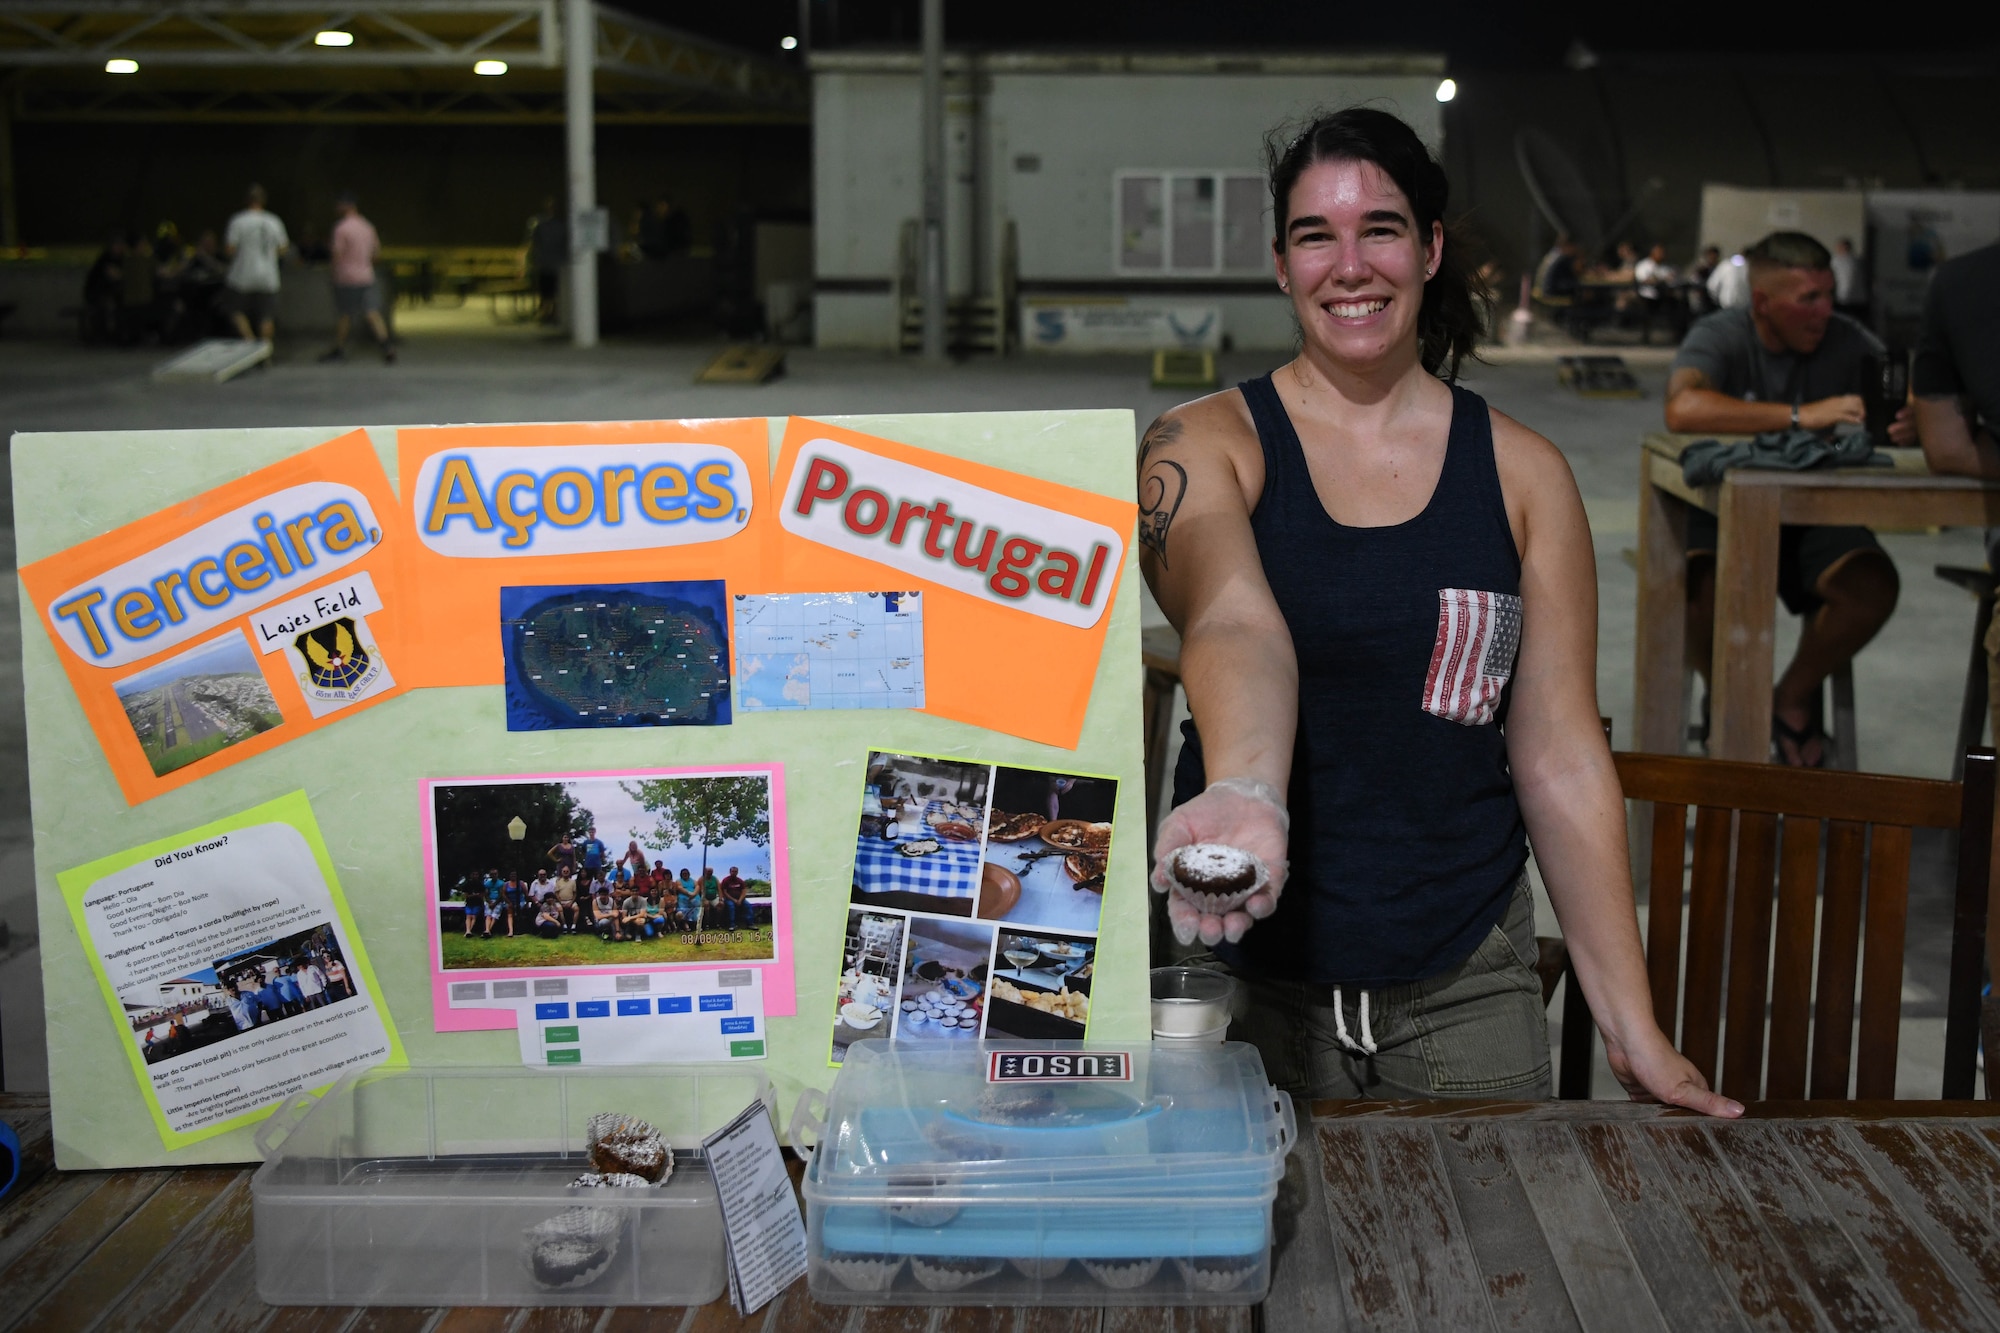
(1478, 1030)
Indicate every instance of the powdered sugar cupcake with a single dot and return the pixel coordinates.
(1217, 1273)
(941, 1273)
(627, 1145)
(1215, 877)
(864, 1272)
(1122, 1274)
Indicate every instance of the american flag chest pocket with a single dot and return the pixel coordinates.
(1478, 634)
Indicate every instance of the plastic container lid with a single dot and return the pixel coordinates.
(934, 1122)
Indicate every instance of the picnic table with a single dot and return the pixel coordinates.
(1750, 505)
(1412, 1215)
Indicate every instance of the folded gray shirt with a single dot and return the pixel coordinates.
(1704, 461)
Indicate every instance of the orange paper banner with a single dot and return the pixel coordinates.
(570, 503)
(1020, 573)
(239, 620)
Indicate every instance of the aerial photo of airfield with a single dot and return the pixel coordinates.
(205, 700)
(635, 655)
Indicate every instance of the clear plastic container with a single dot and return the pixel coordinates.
(441, 1186)
(932, 1184)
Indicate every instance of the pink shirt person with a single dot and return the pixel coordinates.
(355, 246)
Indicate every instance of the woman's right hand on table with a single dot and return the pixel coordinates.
(1236, 812)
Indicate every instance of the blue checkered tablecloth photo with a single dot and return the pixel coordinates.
(952, 871)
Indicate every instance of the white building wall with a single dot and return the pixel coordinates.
(1082, 129)
(1035, 140)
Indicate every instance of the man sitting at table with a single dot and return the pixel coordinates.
(1787, 362)
(1956, 382)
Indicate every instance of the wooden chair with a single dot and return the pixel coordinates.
(1758, 836)
(1982, 584)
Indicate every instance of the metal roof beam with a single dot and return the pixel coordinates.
(262, 33)
(417, 35)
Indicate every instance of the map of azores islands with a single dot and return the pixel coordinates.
(625, 655)
(830, 650)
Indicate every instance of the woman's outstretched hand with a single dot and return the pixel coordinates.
(1237, 812)
(1653, 1071)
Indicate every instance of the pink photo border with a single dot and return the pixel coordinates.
(780, 988)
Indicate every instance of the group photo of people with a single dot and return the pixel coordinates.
(253, 988)
(692, 879)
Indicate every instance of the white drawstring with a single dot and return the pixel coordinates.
(1366, 1046)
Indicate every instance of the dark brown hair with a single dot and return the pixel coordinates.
(1456, 300)
(1788, 249)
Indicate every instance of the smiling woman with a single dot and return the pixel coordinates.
(1387, 604)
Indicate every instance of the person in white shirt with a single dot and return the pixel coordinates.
(312, 985)
(1848, 298)
(1729, 285)
(1653, 271)
(1654, 277)
(254, 241)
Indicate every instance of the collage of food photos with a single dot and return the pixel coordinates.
(975, 903)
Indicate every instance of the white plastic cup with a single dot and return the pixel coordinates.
(1191, 1004)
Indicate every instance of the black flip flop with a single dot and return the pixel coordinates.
(1800, 737)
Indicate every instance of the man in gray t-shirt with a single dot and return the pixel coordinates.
(1788, 362)
(255, 241)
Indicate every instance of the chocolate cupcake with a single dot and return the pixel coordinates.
(1122, 1274)
(942, 1273)
(912, 1208)
(571, 1249)
(1215, 877)
(597, 1180)
(627, 1145)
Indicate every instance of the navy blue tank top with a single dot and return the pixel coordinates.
(1406, 838)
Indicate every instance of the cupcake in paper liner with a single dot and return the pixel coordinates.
(913, 1209)
(1217, 1273)
(1039, 1269)
(1122, 1274)
(940, 1273)
(864, 1272)
(571, 1249)
(1215, 877)
(626, 1145)
(1017, 1104)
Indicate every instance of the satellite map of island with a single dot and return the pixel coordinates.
(205, 700)
(620, 655)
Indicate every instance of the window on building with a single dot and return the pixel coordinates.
(1173, 223)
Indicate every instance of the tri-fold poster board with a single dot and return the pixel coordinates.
(571, 744)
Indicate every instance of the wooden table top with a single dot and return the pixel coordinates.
(1593, 1215)
(1553, 1215)
(1906, 467)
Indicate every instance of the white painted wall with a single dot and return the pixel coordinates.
(1079, 119)
(1083, 128)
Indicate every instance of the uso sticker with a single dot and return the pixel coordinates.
(1059, 1067)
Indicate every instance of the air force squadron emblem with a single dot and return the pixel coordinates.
(337, 664)
(334, 660)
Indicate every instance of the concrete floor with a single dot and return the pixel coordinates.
(460, 368)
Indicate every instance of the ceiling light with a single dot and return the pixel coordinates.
(489, 67)
(1447, 90)
(121, 67)
(333, 37)
(788, 43)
